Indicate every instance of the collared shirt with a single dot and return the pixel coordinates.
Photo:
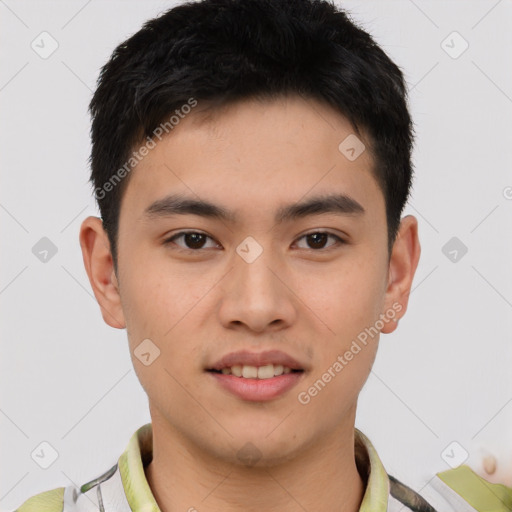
(124, 488)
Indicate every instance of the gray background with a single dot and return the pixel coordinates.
(443, 376)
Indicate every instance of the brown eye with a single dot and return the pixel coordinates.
(193, 240)
(318, 239)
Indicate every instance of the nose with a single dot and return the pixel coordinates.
(258, 295)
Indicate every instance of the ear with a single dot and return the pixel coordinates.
(100, 269)
(402, 267)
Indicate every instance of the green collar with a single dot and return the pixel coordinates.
(139, 452)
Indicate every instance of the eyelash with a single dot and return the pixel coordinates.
(170, 240)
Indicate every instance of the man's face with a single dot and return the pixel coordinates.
(255, 282)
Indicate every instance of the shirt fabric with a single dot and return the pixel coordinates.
(124, 488)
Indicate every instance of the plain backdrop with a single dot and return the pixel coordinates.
(443, 377)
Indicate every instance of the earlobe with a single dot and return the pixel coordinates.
(402, 267)
(100, 270)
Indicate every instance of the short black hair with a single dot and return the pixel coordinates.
(221, 51)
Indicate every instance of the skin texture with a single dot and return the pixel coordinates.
(308, 300)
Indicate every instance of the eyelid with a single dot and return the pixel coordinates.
(179, 234)
(339, 239)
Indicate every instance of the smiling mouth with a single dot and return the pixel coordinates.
(256, 372)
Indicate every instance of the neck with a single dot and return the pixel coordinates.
(323, 476)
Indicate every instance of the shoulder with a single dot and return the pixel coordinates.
(453, 490)
(105, 493)
(48, 501)
(110, 491)
(462, 483)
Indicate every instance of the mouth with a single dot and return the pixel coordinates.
(257, 376)
(256, 383)
(264, 372)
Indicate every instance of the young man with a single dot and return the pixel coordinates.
(251, 161)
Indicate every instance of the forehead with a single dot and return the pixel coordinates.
(253, 156)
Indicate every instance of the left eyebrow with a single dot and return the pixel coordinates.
(177, 204)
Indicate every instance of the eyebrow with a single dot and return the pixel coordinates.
(176, 204)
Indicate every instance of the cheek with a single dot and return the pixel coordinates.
(157, 306)
(164, 305)
(146, 302)
(347, 299)
(155, 296)
(349, 302)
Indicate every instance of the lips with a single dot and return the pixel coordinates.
(247, 358)
(248, 375)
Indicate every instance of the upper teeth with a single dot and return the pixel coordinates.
(254, 372)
